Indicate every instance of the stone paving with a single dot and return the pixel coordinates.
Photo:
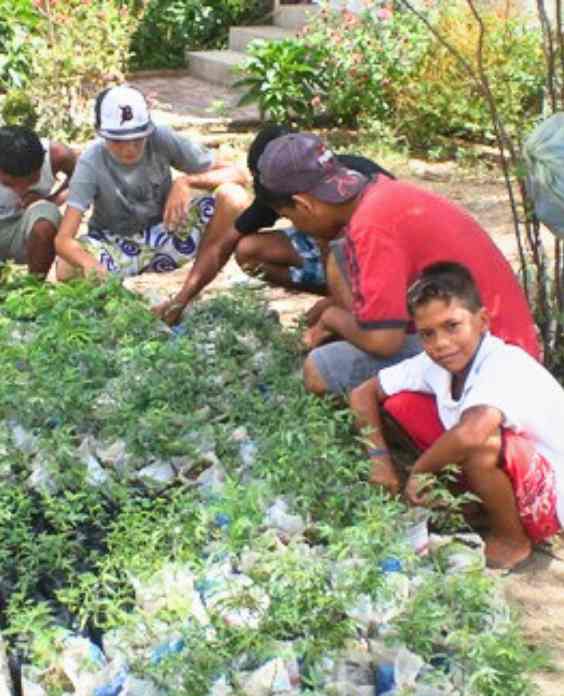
(180, 100)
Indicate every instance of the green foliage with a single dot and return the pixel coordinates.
(283, 78)
(18, 110)
(461, 616)
(370, 56)
(386, 73)
(89, 363)
(18, 21)
(447, 503)
(84, 48)
(168, 28)
(439, 99)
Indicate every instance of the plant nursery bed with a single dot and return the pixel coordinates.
(179, 517)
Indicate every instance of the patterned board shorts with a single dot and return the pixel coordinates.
(532, 476)
(155, 250)
(312, 271)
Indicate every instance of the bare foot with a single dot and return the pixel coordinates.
(504, 554)
(383, 474)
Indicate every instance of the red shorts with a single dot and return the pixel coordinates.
(531, 475)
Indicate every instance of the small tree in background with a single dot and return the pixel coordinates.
(76, 48)
(541, 269)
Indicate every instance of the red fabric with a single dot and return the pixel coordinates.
(417, 414)
(531, 476)
(397, 230)
(534, 486)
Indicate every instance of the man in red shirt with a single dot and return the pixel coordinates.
(392, 231)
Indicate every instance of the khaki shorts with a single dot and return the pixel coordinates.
(14, 232)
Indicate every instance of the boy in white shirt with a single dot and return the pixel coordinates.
(501, 412)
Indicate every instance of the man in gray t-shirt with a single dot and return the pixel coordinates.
(141, 220)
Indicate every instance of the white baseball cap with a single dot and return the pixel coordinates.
(122, 114)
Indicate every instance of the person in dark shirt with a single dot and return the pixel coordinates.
(286, 256)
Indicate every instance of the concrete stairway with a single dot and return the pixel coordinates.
(217, 67)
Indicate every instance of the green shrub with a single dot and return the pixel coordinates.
(387, 73)
(284, 78)
(341, 68)
(85, 48)
(18, 110)
(18, 20)
(441, 99)
(167, 28)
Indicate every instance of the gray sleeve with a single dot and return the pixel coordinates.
(82, 186)
(184, 155)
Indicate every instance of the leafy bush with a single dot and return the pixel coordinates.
(441, 99)
(85, 48)
(386, 72)
(369, 55)
(17, 23)
(284, 79)
(341, 68)
(168, 28)
(18, 110)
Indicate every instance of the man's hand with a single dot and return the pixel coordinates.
(96, 271)
(316, 335)
(415, 489)
(383, 474)
(169, 311)
(313, 314)
(177, 204)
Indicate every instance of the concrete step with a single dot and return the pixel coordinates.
(294, 16)
(241, 37)
(217, 67)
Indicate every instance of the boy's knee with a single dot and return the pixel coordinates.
(246, 251)
(484, 457)
(232, 196)
(43, 231)
(313, 381)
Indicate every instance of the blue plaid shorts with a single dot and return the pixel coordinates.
(312, 272)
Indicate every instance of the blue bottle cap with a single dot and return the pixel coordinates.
(390, 565)
(385, 678)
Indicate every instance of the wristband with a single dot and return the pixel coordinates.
(377, 451)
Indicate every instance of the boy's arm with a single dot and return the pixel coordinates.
(476, 426)
(219, 172)
(365, 403)
(213, 253)
(63, 160)
(382, 342)
(69, 249)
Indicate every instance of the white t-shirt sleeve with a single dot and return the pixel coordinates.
(82, 186)
(408, 375)
(494, 386)
(184, 155)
